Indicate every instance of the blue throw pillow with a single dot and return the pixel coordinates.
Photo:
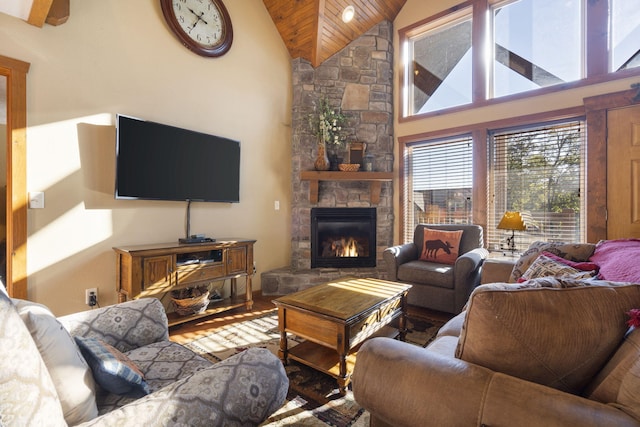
(111, 369)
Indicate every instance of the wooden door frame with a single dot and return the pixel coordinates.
(16, 251)
(596, 108)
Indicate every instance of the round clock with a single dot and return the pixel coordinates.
(203, 26)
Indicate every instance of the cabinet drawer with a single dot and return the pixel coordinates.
(200, 273)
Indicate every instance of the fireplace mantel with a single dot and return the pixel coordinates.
(375, 180)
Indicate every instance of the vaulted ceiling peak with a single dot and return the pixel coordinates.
(314, 29)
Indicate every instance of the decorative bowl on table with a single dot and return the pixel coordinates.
(349, 167)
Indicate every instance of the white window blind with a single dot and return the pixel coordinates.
(540, 173)
(437, 183)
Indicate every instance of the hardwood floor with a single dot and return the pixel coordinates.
(261, 305)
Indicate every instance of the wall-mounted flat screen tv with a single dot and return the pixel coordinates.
(155, 161)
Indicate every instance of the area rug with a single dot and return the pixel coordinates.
(313, 398)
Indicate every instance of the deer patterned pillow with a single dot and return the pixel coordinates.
(441, 246)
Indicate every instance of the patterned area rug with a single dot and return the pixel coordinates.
(313, 398)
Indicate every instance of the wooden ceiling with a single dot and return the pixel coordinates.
(313, 29)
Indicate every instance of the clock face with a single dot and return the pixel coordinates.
(202, 25)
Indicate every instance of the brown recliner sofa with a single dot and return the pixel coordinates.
(546, 352)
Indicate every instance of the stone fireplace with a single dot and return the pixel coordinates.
(359, 78)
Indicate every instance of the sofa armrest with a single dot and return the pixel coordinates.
(395, 256)
(497, 270)
(467, 275)
(244, 389)
(128, 325)
(401, 384)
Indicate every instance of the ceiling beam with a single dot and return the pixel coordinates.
(59, 12)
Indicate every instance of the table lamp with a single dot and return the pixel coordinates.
(513, 221)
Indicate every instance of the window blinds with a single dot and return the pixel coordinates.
(438, 183)
(540, 173)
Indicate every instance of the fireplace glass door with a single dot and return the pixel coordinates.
(343, 237)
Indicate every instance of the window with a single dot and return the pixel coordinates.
(440, 73)
(438, 183)
(463, 59)
(536, 43)
(625, 34)
(539, 172)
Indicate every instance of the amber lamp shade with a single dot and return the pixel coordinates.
(512, 220)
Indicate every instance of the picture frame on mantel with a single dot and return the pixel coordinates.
(356, 152)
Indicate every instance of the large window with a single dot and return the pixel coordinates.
(440, 73)
(487, 50)
(539, 172)
(438, 178)
(536, 43)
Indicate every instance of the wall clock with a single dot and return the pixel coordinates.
(203, 26)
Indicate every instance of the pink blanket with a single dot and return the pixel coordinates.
(619, 260)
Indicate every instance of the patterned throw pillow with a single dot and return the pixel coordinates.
(441, 246)
(112, 370)
(572, 251)
(582, 265)
(544, 266)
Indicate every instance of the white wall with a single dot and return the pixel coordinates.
(119, 56)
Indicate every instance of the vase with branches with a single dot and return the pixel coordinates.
(327, 124)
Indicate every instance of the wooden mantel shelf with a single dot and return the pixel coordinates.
(375, 180)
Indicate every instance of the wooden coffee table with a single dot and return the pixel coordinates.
(335, 317)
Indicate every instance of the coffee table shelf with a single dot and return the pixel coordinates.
(325, 359)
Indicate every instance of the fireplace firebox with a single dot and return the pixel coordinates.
(343, 237)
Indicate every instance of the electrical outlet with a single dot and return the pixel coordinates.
(87, 296)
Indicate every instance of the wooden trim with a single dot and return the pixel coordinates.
(596, 112)
(39, 12)
(9, 65)
(16, 277)
(597, 39)
(480, 179)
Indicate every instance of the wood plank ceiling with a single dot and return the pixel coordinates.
(313, 29)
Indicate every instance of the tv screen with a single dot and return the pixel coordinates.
(161, 162)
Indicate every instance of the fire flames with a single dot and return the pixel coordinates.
(345, 247)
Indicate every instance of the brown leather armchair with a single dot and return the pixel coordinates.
(437, 286)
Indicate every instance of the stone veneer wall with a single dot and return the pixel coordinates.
(359, 78)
